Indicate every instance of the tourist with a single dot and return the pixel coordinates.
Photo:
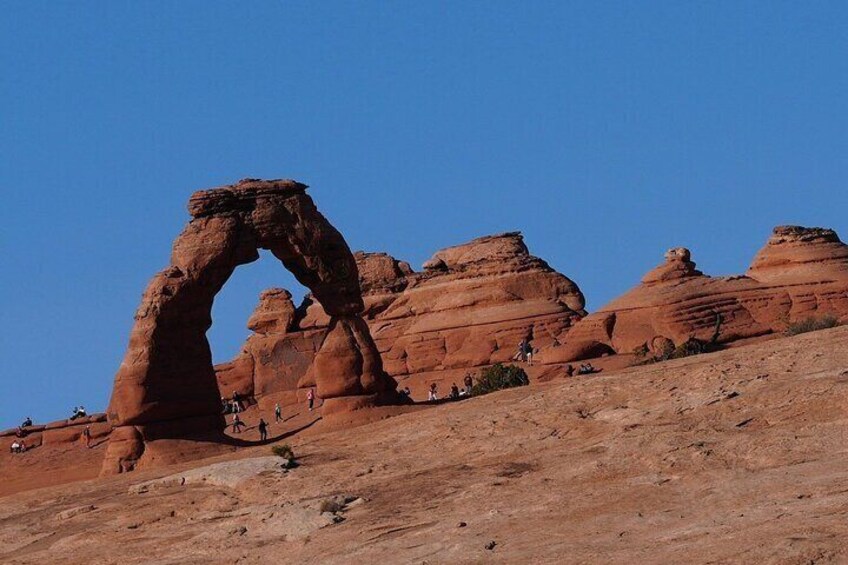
(15, 447)
(405, 393)
(433, 392)
(226, 407)
(528, 352)
(237, 424)
(236, 402)
(75, 415)
(27, 423)
(454, 392)
(86, 434)
(278, 413)
(81, 413)
(263, 430)
(569, 371)
(310, 398)
(522, 350)
(469, 383)
(587, 369)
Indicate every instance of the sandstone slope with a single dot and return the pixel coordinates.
(733, 457)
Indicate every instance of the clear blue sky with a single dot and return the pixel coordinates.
(606, 132)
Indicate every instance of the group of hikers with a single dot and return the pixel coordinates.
(237, 403)
(525, 352)
(455, 392)
(19, 445)
(234, 406)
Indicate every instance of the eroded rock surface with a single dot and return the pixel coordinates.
(166, 386)
(470, 306)
(800, 273)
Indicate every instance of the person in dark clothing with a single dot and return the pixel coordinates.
(86, 434)
(263, 430)
(454, 392)
(588, 369)
(528, 353)
(237, 424)
(469, 383)
(522, 351)
(27, 422)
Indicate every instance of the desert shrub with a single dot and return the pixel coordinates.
(812, 324)
(641, 351)
(284, 451)
(499, 377)
(688, 348)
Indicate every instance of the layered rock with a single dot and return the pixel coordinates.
(470, 306)
(57, 433)
(166, 387)
(800, 273)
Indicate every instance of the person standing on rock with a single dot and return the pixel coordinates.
(469, 383)
(278, 413)
(237, 424)
(310, 398)
(263, 430)
(236, 402)
(522, 351)
(528, 352)
(86, 435)
(433, 392)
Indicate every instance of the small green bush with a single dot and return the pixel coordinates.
(812, 324)
(284, 451)
(499, 377)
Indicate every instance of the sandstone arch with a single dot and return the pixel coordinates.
(165, 386)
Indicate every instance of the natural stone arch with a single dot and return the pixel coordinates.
(166, 387)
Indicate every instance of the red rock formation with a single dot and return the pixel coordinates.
(801, 272)
(57, 433)
(470, 307)
(166, 386)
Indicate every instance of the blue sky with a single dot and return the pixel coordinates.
(606, 132)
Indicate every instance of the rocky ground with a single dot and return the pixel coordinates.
(733, 457)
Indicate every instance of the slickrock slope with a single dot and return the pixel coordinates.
(733, 457)
(800, 273)
(470, 306)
